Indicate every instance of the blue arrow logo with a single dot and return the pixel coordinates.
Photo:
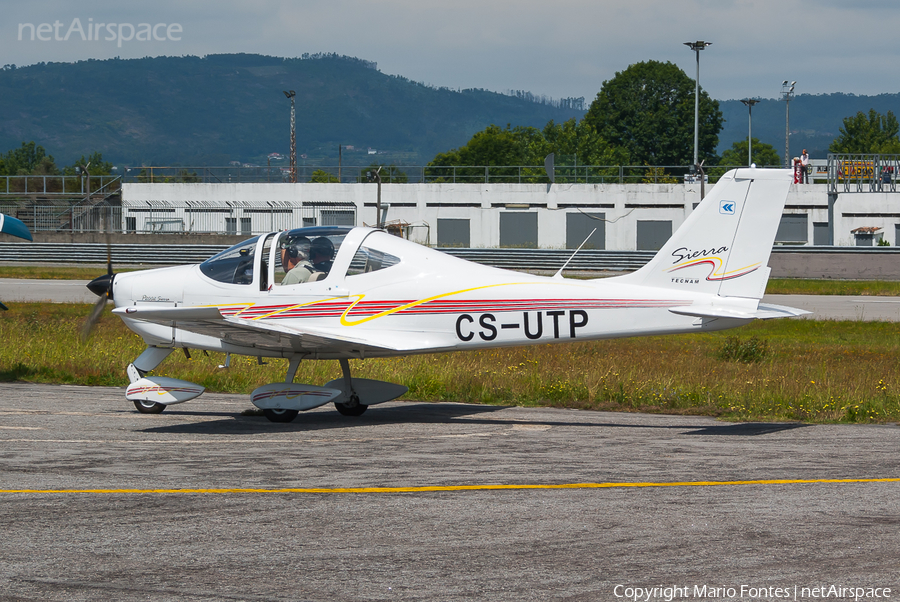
(726, 207)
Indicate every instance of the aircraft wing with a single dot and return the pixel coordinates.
(13, 227)
(278, 337)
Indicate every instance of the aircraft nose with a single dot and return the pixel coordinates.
(102, 285)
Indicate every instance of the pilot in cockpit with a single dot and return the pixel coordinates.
(295, 260)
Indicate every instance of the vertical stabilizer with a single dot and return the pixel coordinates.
(723, 247)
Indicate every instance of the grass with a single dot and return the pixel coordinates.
(48, 272)
(798, 286)
(815, 371)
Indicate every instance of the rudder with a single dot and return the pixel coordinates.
(723, 247)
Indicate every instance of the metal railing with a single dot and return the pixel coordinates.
(54, 186)
(456, 174)
(177, 254)
(237, 218)
(863, 172)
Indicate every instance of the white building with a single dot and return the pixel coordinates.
(626, 216)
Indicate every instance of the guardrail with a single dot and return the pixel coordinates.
(55, 186)
(158, 255)
(515, 259)
(96, 253)
(863, 172)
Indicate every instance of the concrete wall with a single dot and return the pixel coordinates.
(873, 264)
(423, 204)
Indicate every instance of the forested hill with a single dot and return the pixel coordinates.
(815, 120)
(230, 107)
(221, 108)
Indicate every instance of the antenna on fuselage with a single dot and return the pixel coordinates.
(559, 273)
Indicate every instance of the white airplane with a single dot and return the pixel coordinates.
(370, 294)
(13, 227)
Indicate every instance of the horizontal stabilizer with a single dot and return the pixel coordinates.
(763, 312)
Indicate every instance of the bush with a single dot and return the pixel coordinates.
(752, 350)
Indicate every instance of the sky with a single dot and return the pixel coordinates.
(558, 48)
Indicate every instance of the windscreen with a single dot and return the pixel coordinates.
(232, 266)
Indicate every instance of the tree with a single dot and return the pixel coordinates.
(320, 176)
(763, 154)
(874, 133)
(494, 146)
(572, 142)
(390, 174)
(29, 159)
(648, 110)
(582, 141)
(96, 165)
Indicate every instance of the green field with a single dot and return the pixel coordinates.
(816, 371)
(63, 272)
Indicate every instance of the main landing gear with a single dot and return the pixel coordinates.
(351, 407)
(281, 402)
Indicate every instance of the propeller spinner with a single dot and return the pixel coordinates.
(102, 285)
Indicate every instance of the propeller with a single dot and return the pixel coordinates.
(102, 286)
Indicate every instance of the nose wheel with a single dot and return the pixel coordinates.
(148, 407)
(280, 415)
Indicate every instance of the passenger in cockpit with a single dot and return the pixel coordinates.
(321, 254)
(294, 260)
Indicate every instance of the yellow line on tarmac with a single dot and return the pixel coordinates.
(432, 488)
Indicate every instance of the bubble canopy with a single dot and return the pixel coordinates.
(235, 265)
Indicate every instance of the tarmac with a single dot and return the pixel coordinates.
(417, 501)
(444, 501)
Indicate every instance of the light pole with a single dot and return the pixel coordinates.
(291, 96)
(787, 93)
(375, 176)
(697, 47)
(749, 102)
(85, 175)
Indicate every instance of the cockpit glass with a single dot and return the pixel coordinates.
(307, 254)
(368, 259)
(232, 266)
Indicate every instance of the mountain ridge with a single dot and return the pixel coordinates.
(220, 108)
